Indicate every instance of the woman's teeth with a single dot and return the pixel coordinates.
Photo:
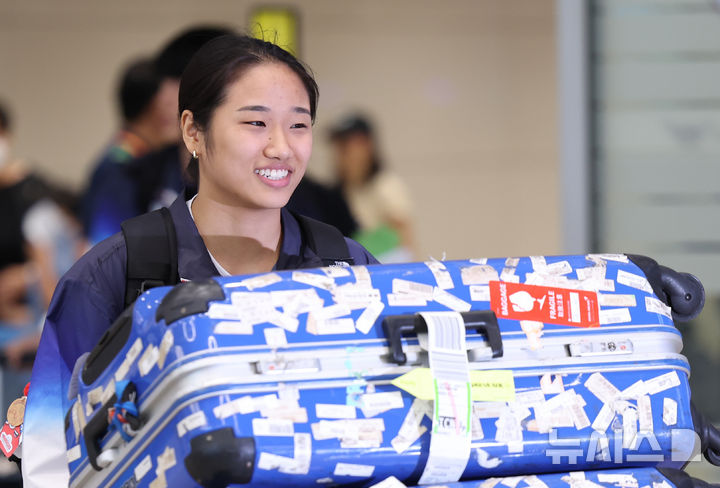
(272, 174)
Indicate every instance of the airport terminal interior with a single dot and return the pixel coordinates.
(504, 128)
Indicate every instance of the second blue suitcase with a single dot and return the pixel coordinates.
(603, 478)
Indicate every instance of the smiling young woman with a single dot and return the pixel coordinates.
(246, 113)
(251, 156)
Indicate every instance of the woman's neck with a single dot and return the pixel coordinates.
(242, 240)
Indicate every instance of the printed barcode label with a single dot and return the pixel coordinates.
(358, 470)
(143, 467)
(446, 343)
(448, 366)
(273, 427)
(447, 334)
(412, 288)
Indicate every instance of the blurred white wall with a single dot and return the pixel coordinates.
(463, 93)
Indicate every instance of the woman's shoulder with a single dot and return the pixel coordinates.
(102, 269)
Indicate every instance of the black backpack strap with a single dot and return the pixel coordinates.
(152, 257)
(326, 241)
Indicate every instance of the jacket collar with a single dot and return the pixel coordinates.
(194, 260)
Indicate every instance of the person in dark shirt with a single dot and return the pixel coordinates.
(148, 123)
(142, 168)
(323, 203)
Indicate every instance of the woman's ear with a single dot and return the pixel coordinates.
(191, 133)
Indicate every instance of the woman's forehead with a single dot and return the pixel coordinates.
(273, 82)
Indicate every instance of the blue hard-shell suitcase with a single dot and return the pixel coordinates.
(644, 477)
(425, 371)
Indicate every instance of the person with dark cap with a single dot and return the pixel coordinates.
(378, 199)
(142, 168)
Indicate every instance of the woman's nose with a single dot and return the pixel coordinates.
(277, 146)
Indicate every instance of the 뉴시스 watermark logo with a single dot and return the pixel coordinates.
(641, 448)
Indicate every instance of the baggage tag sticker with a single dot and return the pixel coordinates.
(485, 385)
(130, 357)
(490, 483)
(356, 470)
(622, 480)
(669, 411)
(143, 468)
(451, 428)
(389, 482)
(300, 463)
(261, 281)
(74, 453)
(559, 306)
(411, 430)
(165, 344)
(441, 274)
(10, 438)
(534, 482)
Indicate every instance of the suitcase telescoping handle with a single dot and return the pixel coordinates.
(483, 321)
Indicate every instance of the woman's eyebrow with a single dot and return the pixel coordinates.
(263, 108)
(254, 108)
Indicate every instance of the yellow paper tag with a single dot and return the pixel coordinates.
(492, 385)
(418, 382)
(486, 386)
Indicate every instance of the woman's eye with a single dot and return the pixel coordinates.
(300, 125)
(256, 123)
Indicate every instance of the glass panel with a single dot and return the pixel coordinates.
(655, 68)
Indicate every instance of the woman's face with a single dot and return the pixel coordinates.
(259, 141)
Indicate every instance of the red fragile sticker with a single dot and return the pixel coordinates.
(559, 306)
(9, 439)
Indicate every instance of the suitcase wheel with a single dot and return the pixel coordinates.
(218, 458)
(685, 294)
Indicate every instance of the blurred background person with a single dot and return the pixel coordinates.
(160, 174)
(143, 166)
(149, 123)
(40, 239)
(377, 197)
(324, 203)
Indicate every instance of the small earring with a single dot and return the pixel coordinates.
(195, 154)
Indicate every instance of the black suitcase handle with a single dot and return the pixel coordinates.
(682, 292)
(681, 479)
(483, 321)
(709, 436)
(108, 347)
(98, 425)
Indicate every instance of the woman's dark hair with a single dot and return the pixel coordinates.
(221, 61)
(174, 57)
(139, 83)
